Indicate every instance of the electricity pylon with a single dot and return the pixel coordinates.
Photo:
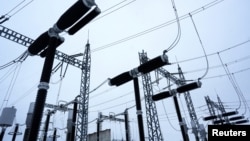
(84, 66)
(154, 130)
(197, 129)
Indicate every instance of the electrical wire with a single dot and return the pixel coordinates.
(242, 95)
(15, 7)
(101, 93)
(165, 111)
(178, 36)
(7, 74)
(218, 66)
(157, 26)
(214, 53)
(222, 75)
(19, 59)
(105, 81)
(11, 86)
(7, 16)
(28, 92)
(117, 105)
(103, 12)
(111, 100)
(13, 81)
(33, 88)
(203, 48)
(231, 80)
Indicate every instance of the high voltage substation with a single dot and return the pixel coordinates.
(77, 125)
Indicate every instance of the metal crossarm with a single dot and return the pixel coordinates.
(26, 41)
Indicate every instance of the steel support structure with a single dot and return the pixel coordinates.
(211, 107)
(179, 82)
(82, 119)
(102, 117)
(82, 116)
(154, 130)
(223, 111)
(190, 107)
(26, 41)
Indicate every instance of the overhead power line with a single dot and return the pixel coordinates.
(221, 51)
(8, 15)
(19, 59)
(158, 26)
(217, 66)
(106, 12)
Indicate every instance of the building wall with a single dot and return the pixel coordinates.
(105, 135)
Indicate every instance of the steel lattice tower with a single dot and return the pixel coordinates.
(190, 107)
(211, 107)
(188, 99)
(82, 119)
(154, 130)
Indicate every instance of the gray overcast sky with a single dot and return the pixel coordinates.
(117, 35)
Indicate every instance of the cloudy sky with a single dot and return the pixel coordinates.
(217, 29)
